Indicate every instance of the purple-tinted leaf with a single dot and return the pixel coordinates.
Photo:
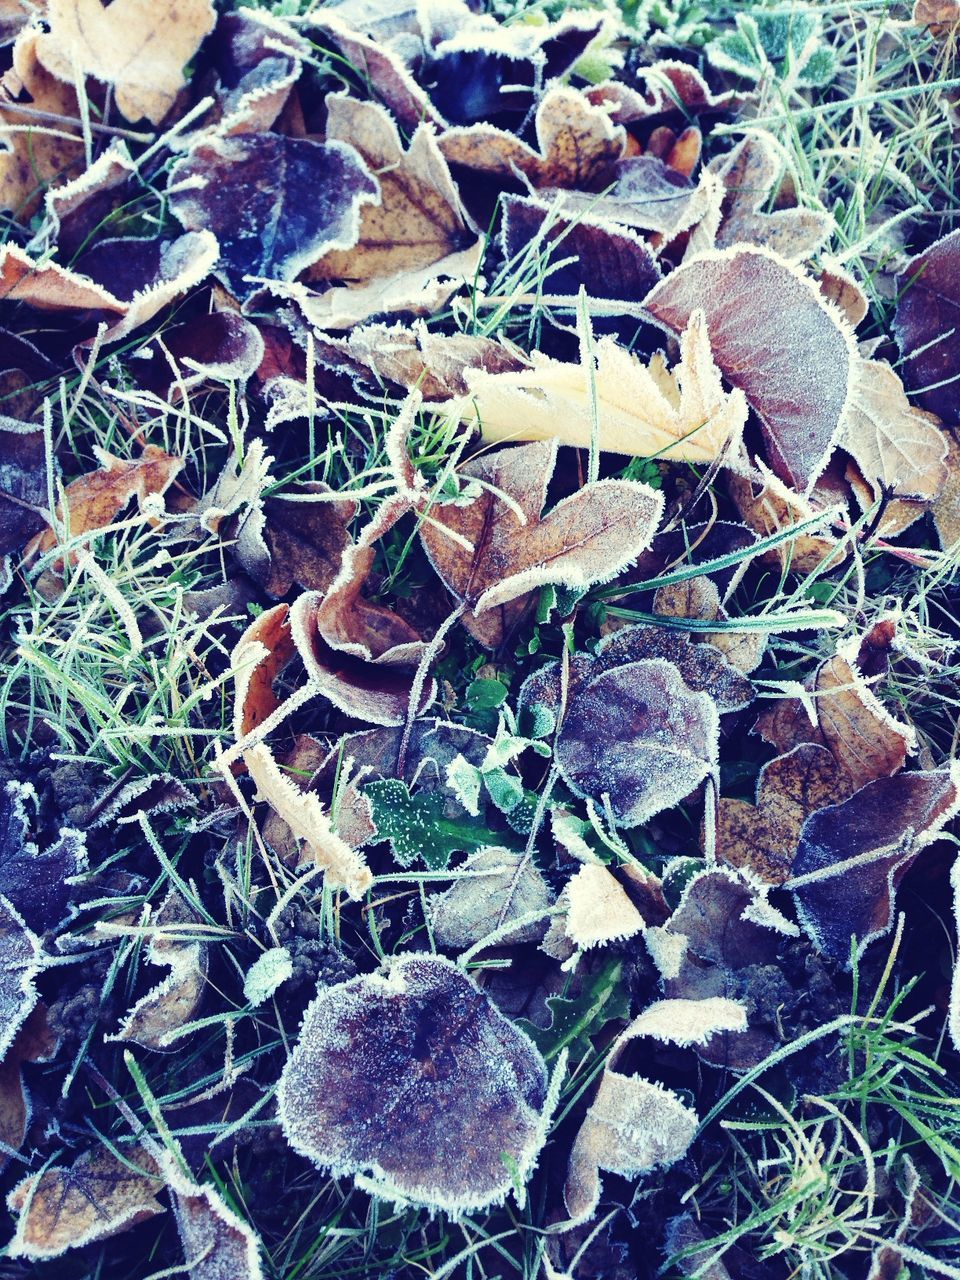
(37, 884)
(23, 483)
(927, 327)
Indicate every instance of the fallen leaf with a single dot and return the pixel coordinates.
(259, 656)
(702, 666)
(851, 722)
(34, 1042)
(153, 793)
(775, 337)
(217, 1243)
(631, 1127)
(131, 44)
(586, 538)
(668, 90)
(940, 17)
(222, 347)
(599, 910)
(21, 960)
(946, 506)
(238, 488)
(415, 1081)
(576, 144)
(685, 1022)
(275, 204)
(303, 813)
(841, 289)
(768, 506)
(37, 885)
(299, 536)
(681, 415)
(927, 327)
(259, 58)
(157, 1019)
(493, 887)
(638, 737)
(68, 1206)
(851, 857)
(31, 160)
(14, 15)
(24, 481)
(419, 826)
(761, 839)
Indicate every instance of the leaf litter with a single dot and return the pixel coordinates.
(479, 509)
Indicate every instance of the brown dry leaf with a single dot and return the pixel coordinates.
(577, 144)
(298, 536)
(95, 1198)
(49, 287)
(761, 839)
(598, 909)
(899, 449)
(586, 538)
(137, 46)
(95, 500)
(34, 1042)
(495, 887)
(852, 856)
(632, 1126)
(14, 15)
(360, 655)
(157, 1019)
(670, 89)
(946, 507)
(767, 506)
(851, 722)
(258, 657)
(941, 17)
(681, 415)
(32, 159)
(217, 1243)
(303, 813)
(840, 288)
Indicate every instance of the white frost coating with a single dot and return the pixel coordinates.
(954, 1016)
(21, 959)
(847, 650)
(217, 1243)
(667, 950)
(686, 1022)
(497, 886)
(268, 972)
(598, 909)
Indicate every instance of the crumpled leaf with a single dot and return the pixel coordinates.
(157, 1019)
(494, 886)
(668, 90)
(768, 506)
(238, 487)
(34, 1042)
(258, 657)
(275, 204)
(135, 46)
(852, 856)
(298, 536)
(632, 1126)
(223, 347)
(361, 656)
(24, 489)
(217, 1243)
(761, 839)
(32, 159)
(851, 722)
(775, 337)
(682, 415)
(415, 1081)
(302, 811)
(927, 327)
(584, 539)
(38, 885)
(259, 59)
(68, 1206)
(576, 144)
(21, 960)
(639, 736)
(599, 909)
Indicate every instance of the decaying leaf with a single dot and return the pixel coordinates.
(940, 17)
(769, 506)
(775, 337)
(637, 736)
(21, 960)
(217, 1243)
(649, 194)
(852, 856)
(37, 884)
(275, 204)
(302, 811)
(413, 1080)
(686, 1022)
(68, 1206)
(681, 415)
(585, 538)
(599, 909)
(34, 1042)
(576, 144)
(632, 1126)
(494, 886)
(761, 839)
(157, 1019)
(259, 656)
(135, 46)
(298, 536)
(32, 159)
(927, 327)
(850, 721)
(24, 489)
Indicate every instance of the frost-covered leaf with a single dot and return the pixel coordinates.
(586, 538)
(37, 884)
(223, 347)
(21, 960)
(761, 839)
(495, 886)
(599, 909)
(768, 506)
(34, 1042)
(574, 1019)
(258, 657)
(638, 735)
(275, 204)
(927, 327)
(850, 720)
(632, 1126)
(852, 856)
(775, 337)
(785, 43)
(297, 536)
(133, 45)
(667, 90)
(648, 194)
(68, 1206)
(413, 1080)
(217, 1243)
(259, 59)
(940, 17)
(576, 144)
(344, 867)
(703, 667)
(417, 825)
(686, 1022)
(681, 414)
(154, 793)
(268, 972)
(23, 483)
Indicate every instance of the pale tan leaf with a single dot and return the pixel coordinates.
(217, 1243)
(685, 1022)
(598, 909)
(495, 887)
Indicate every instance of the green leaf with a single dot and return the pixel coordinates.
(485, 695)
(505, 789)
(418, 827)
(575, 1021)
